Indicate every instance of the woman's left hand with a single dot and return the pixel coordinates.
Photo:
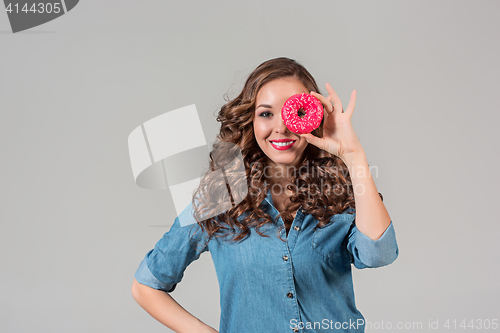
(339, 137)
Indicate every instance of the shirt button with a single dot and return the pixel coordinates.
(289, 295)
(295, 329)
(285, 257)
(297, 228)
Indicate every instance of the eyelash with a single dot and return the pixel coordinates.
(261, 115)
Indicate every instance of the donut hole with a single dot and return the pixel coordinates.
(301, 113)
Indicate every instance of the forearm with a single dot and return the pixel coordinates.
(372, 218)
(161, 306)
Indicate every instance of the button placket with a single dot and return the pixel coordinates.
(286, 257)
(293, 234)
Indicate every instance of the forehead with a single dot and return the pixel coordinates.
(280, 89)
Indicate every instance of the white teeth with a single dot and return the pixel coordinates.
(282, 144)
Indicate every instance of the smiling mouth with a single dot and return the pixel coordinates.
(282, 144)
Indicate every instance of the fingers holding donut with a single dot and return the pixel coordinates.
(337, 104)
(326, 103)
(339, 137)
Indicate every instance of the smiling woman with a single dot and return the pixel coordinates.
(282, 147)
(295, 234)
(298, 174)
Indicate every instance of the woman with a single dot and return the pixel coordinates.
(287, 267)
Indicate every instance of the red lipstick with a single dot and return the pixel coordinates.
(282, 140)
(282, 144)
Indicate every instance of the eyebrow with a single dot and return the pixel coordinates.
(265, 106)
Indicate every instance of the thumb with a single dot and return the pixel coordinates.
(314, 140)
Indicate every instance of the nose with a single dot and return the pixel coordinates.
(280, 126)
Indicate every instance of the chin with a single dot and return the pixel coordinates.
(284, 160)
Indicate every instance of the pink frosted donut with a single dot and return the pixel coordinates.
(312, 108)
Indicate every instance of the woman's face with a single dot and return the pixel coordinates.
(269, 126)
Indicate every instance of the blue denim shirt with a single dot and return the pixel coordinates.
(267, 285)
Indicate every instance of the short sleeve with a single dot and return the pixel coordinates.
(163, 266)
(366, 252)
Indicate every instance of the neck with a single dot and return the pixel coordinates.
(281, 173)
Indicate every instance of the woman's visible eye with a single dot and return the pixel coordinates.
(265, 114)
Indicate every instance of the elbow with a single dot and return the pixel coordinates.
(136, 290)
(141, 291)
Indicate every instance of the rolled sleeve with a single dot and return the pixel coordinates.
(163, 267)
(366, 252)
(144, 276)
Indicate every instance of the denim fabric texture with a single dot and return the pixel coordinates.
(267, 285)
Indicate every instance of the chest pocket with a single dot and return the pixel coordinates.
(329, 240)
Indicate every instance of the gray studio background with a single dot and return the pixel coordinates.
(74, 226)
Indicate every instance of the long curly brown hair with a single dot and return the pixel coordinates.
(318, 170)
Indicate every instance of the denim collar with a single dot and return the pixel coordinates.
(268, 200)
(269, 197)
(186, 217)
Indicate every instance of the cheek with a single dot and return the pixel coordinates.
(261, 130)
